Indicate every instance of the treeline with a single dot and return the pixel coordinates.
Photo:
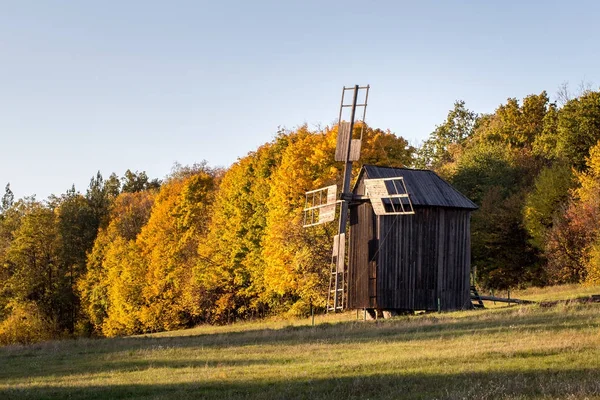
(135, 255)
(533, 167)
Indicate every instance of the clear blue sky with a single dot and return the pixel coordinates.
(111, 85)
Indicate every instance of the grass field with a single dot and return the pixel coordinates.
(511, 352)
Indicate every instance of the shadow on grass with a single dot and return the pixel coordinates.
(582, 383)
(56, 359)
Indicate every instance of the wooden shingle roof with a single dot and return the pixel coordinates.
(425, 187)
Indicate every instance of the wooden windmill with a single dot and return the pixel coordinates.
(387, 196)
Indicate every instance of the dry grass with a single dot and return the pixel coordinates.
(512, 353)
(546, 294)
(562, 292)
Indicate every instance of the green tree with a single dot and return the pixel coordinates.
(77, 227)
(138, 182)
(495, 177)
(35, 274)
(7, 199)
(545, 143)
(438, 149)
(514, 125)
(98, 200)
(547, 201)
(578, 128)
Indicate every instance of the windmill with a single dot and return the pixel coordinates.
(387, 196)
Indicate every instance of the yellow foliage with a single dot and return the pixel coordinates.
(307, 163)
(589, 180)
(110, 291)
(124, 281)
(168, 245)
(203, 254)
(592, 265)
(25, 324)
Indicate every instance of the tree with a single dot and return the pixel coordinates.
(98, 200)
(545, 143)
(35, 273)
(547, 202)
(438, 148)
(514, 125)
(10, 220)
(492, 176)
(294, 262)
(7, 199)
(123, 282)
(138, 181)
(231, 264)
(77, 226)
(115, 273)
(572, 248)
(168, 244)
(579, 128)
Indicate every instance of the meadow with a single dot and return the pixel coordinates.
(517, 352)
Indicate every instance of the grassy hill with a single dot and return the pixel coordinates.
(505, 352)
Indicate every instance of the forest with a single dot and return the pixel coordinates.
(134, 254)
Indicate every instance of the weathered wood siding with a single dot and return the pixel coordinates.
(408, 262)
(362, 269)
(424, 257)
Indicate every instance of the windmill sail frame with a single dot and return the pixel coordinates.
(320, 206)
(389, 196)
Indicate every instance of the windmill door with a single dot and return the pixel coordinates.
(362, 265)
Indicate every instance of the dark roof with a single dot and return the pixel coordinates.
(424, 187)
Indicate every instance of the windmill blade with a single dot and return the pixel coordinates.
(335, 298)
(343, 141)
(320, 206)
(339, 251)
(389, 196)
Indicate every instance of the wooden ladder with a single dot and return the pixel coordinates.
(475, 298)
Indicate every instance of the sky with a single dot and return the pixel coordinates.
(109, 85)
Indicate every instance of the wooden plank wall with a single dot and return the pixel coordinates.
(423, 258)
(362, 258)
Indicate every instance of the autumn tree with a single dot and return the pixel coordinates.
(573, 243)
(111, 288)
(231, 264)
(169, 243)
(291, 265)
